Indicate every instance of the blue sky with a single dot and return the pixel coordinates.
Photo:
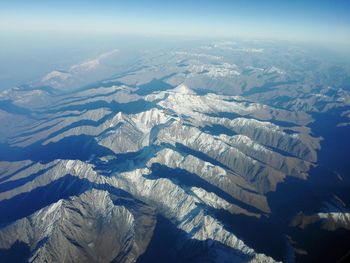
(306, 20)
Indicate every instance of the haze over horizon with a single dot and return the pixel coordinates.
(312, 21)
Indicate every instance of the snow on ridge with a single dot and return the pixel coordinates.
(232, 46)
(88, 65)
(274, 69)
(197, 55)
(93, 63)
(215, 71)
(56, 74)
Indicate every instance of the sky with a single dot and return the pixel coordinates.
(325, 21)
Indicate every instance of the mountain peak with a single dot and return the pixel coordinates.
(184, 89)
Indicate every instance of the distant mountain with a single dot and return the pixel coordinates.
(184, 143)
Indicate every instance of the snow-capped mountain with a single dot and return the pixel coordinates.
(89, 170)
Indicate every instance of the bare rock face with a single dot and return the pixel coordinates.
(197, 144)
(241, 158)
(85, 228)
(332, 216)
